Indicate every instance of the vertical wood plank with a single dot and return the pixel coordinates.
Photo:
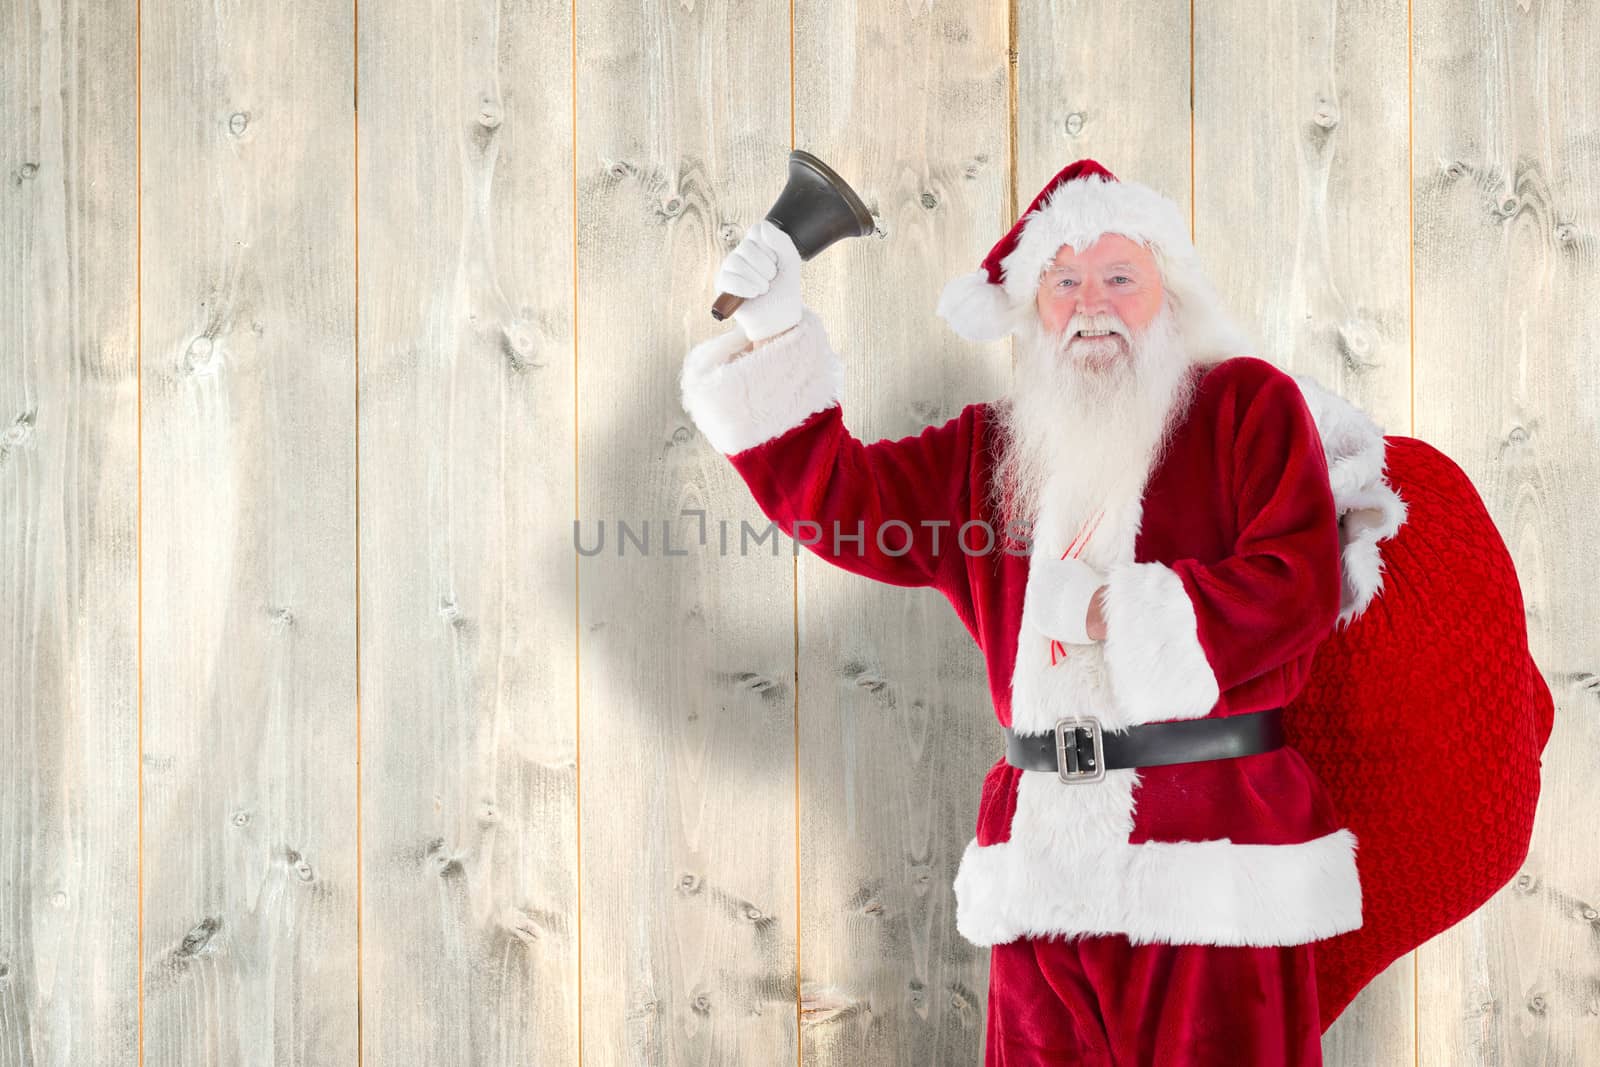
(1301, 215)
(1107, 82)
(69, 964)
(1507, 197)
(470, 908)
(686, 696)
(910, 103)
(249, 610)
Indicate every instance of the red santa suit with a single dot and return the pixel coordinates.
(1223, 577)
(1161, 914)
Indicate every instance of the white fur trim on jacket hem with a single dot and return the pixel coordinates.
(1157, 667)
(740, 403)
(1182, 892)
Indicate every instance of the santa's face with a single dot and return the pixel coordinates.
(1097, 299)
(1082, 432)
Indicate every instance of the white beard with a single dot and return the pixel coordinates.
(1086, 434)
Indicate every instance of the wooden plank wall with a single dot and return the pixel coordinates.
(321, 325)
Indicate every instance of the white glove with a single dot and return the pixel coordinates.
(1060, 593)
(765, 270)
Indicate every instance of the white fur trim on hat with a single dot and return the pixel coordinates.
(1369, 509)
(739, 403)
(1077, 213)
(975, 309)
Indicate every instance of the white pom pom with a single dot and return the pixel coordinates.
(975, 309)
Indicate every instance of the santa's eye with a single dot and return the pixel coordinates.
(1122, 278)
(1064, 282)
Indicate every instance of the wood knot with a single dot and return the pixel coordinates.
(237, 122)
(752, 682)
(199, 936)
(1359, 341)
(518, 344)
(203, 357)
(297, 864)
(19, 433)
(1074, 123)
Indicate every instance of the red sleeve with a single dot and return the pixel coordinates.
(890, 510)
(1180, 634)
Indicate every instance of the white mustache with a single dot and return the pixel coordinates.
(1094, 323)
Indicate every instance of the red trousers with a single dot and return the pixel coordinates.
(1099, 1001)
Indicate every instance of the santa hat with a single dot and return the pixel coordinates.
(1079, 204)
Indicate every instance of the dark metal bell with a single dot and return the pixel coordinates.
(816, 208)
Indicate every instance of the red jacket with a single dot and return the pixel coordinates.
(1223, 578)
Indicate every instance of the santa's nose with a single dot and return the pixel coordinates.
(1093, 299)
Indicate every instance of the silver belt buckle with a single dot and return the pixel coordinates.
(1067, 762)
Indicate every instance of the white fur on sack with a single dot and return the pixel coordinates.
(1369, 509)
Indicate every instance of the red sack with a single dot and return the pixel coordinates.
(1425, 714)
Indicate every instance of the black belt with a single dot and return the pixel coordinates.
(1079, 752)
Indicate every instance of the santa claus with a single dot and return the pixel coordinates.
(1142, 537)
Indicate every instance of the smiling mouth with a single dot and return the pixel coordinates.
(1091, 335)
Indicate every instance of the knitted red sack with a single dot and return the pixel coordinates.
(1425, 714)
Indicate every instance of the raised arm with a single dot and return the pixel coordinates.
(889, 510)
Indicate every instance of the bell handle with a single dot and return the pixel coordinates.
(725, 305)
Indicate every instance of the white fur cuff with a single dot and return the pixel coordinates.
(1157, 667)
(1062, 594)
(741, 402)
